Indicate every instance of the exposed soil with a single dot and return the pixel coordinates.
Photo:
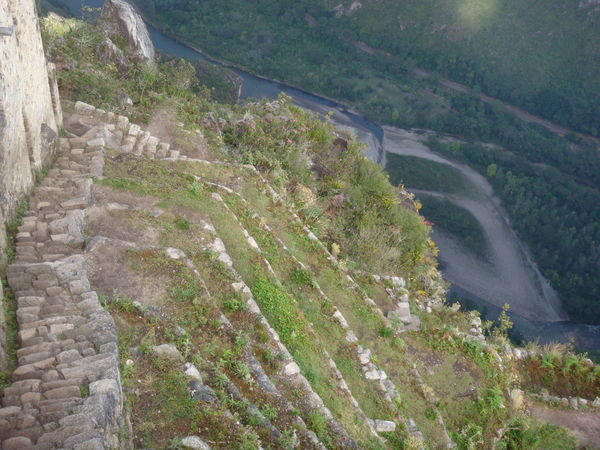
(164, 126)
(113, 234)
(585, 425)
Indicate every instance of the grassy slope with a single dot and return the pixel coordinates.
(277, 40)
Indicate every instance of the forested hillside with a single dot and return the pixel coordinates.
(543, 59)
(542, 55)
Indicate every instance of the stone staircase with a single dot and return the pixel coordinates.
(66, 390)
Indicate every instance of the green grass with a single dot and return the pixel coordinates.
(278, 306)
(362, 320)
(9, 307)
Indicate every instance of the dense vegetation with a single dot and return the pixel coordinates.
(539, 55)
(355, 206)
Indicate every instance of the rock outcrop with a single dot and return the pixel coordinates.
(120, 19)
(30, 114)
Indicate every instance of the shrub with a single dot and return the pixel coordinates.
(526, 433)
(301, 277)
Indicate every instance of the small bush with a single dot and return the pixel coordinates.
(527, 433)
(301, 277)
(182, 223)
(386, 332)
(318, 424)
(430, 414)
(234, 305)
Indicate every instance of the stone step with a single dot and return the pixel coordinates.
(56, 358)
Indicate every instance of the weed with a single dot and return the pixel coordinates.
(127, 370)
(121, 304)
(430, 414)
(386, 332)
(254, 420)
(249, 441)
(182, 223)
(469, 437)
(288, 439)
(234, 305)
(11, 230)
(524, 432)
(301, 277)
(269, 411)
(269, 356)
(491, 402)
(399, 343)
(196, 188)
(318, 424)
(9, 305)
(241, 341)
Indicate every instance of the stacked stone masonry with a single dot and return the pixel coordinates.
(66, 390)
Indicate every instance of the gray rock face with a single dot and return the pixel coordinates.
(120, 18)
(384, 426)
(29, 106)
(201, 392)
(191, 371)
(167, 351)
(108, 53)
(194, 442)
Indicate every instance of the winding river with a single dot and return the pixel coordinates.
(515, 274)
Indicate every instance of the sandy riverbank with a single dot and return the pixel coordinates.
(510, 275)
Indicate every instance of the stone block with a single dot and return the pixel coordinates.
(84, 109)
(351, 337)
(17, 443)
(68, 356)
(291, 369)
(194, 442)
(63, 392)
(167, 351)
(122, 123)
(384, 426)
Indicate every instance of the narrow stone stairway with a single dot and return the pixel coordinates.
(66, 389)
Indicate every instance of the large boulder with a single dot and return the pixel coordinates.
(108, 53)
(119, 18)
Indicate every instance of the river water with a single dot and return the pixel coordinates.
(584, 336)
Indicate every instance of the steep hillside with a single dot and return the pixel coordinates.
(258, 281)
(357, 55)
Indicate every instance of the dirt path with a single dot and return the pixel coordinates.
(163, 125)
(585, 425)
(511, 275)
